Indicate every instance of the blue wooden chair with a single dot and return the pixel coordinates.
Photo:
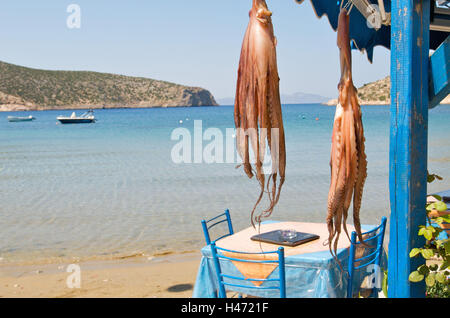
(224, 217)
(234, 281)
(374, 238)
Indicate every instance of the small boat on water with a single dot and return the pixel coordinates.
(14, 119)
(86, 118)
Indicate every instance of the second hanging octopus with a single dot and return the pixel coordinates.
(348, 159)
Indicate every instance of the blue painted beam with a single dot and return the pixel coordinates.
(408, 141)
(439, 74)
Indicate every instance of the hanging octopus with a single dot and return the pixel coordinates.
(348, 159)
(257, 110)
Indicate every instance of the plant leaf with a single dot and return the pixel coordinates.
(427, 253)
(431, 228)
(440, 277)
(444, 265)
(423, 269)
(431, 177)
(447, 247)
(439, 206)
(437, 197)
(430, 280)
(415, 277)
(414, 252)
(428, 234)
(384, 284)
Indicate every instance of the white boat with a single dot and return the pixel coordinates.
(14, 119)
(86, 118)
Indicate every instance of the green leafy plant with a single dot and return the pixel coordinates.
(384, 283)
(436, 275)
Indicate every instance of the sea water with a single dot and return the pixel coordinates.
(112, 188)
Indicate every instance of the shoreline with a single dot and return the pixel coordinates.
(22, 108)
(131, 277)
(43, 261)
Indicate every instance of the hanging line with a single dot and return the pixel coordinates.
(348, 5)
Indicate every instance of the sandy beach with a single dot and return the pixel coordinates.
(171, 276)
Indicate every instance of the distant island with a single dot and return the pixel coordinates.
(377, 93)
(23, 88)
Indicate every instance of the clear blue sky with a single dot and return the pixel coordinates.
(193, 42)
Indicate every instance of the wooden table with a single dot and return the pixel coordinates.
(311, 271)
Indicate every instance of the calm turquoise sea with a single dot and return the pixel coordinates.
(111, 188)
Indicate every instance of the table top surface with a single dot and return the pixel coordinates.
(241, 241)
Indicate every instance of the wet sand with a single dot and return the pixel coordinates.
(171, 276)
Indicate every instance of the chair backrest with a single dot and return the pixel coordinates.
(235, 281)
(224, 217)
(374, 238)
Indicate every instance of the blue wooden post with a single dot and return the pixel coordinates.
(408, 141)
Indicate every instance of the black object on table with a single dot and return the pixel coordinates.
(276, 237)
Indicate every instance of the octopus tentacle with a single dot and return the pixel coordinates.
(257, 108)
(361, 178)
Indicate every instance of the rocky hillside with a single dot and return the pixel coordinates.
(23, 88)
(377, 93)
